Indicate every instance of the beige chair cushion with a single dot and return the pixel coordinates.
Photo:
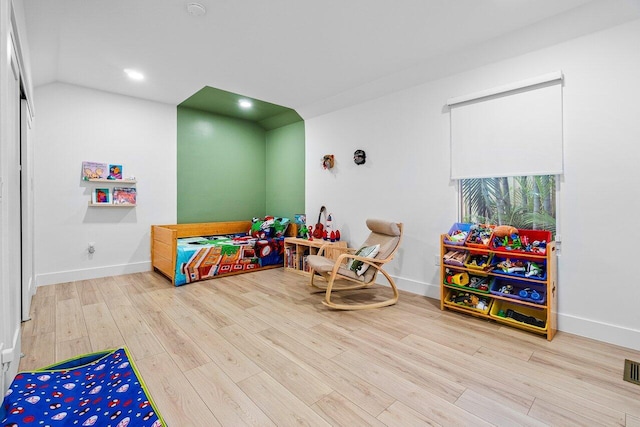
(324, 265)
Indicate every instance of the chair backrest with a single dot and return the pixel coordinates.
(388, 235)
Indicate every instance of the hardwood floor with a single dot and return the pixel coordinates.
(259, 349)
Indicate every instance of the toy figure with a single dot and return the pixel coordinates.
(303, 231)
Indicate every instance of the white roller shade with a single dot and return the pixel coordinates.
(514, 130)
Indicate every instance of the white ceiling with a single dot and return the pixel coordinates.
(313, 56)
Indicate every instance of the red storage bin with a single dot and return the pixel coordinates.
(530, 242)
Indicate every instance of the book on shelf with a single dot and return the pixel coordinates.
(115, 172)
(94, 170)
(124, 195)
(101, 196)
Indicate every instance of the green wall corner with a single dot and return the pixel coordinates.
(233, 169)
(285, 170)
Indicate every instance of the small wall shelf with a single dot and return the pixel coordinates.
(112, 181)
(112, 205)
(126, 186)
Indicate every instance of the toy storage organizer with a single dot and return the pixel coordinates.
(480, 288)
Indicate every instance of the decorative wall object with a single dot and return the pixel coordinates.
(359, 157)
(328, 161)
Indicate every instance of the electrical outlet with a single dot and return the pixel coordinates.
(92, 247)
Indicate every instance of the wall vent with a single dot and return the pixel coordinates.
(632, 371)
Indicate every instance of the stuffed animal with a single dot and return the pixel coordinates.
(504, 230)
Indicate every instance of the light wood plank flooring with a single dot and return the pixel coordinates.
(259, 349)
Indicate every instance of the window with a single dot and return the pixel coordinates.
(521, 201)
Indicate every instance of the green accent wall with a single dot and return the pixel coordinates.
(232, 169)
(285, 170)
(221, 168)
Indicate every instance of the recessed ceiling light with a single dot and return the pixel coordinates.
(196, 9)
(244, 103)
(133, 74)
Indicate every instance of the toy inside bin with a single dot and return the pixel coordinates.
(524, 242)
(457, 234)
(469, 301)
(519, 290)
(536, 269)
(524, 316)
(480, 236)
(455, 257)
(478, 261)
(479, 282)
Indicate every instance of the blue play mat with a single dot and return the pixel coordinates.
(98, 389)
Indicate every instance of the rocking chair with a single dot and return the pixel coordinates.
(358, 268)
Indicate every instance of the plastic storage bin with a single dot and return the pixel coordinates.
(536, 269)
(456, 258)
(525, 244)
(478, 261)
(460, 298)
(469, 282)
(519, 290)
(523, 316)
(480, 236)
(457, 234)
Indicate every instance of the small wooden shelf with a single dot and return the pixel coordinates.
(112, 181)
(296, 249)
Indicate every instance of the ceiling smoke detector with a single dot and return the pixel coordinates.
(196, 9)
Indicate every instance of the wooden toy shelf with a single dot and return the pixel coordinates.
(546, 311)
(296, 249)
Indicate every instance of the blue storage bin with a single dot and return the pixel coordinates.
(457, 229)
(520, 290)
(528, 266)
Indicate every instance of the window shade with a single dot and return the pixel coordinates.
(515, 130)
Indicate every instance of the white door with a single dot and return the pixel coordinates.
(11, 228)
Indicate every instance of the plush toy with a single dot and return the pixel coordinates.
(504, 230)
(279, 226)
(256, 228)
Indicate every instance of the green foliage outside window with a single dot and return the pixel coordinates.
(523, 202)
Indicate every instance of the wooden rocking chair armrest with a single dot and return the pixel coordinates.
(334, 248)
(371, 261)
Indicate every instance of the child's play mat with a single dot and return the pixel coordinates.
(99, 389)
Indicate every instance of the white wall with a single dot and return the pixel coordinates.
(75, 124)
(406, 177)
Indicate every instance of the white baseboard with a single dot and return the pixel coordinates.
(91, 273)
(612, 334)
(416, 287)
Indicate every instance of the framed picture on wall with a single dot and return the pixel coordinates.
(101, 196)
